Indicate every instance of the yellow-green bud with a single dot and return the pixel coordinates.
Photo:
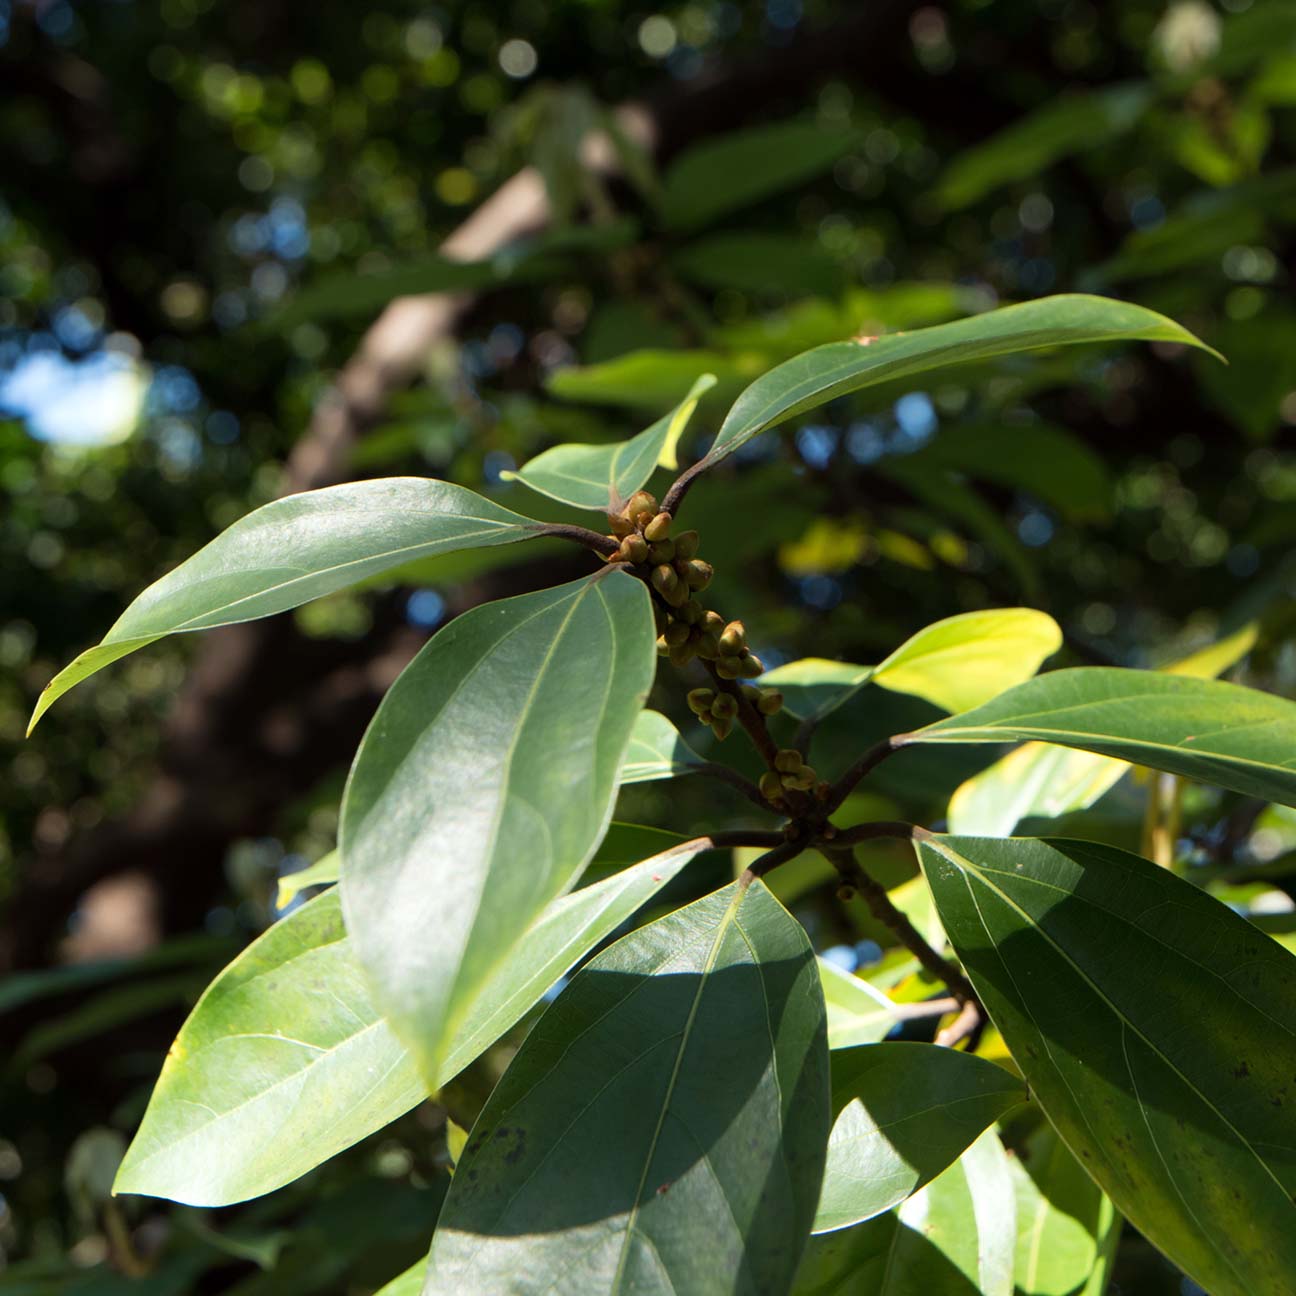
(661, 618)
(686, 544)
(676, 634)
(642, 519)
(662, 646)
(752, 666)
(681, 654)
(620, 525)
(699, 574)
(634, 549)
(790, 781)
(728, 667)
(700, 699)
(751, 693)
(734, 638)
(721, 727)
(708, 646)
(658, 528)
(725, 706)
(678, 595)
(664, 580)
(788, 760)
(770, 702)
(641, 502)
(690, 612)
(806, 778)
(713, 621)
(771, 787)
(662, 551)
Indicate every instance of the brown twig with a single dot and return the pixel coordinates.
(872, 758)
(680, 486)
(713, 769)
(883, 828)
(601, 544)
(773, 858)
(881, 907)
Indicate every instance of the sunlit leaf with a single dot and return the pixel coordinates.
(409, 1283)
(605, 476)
(1155, 1027)
(952, 1238)
(482, 788)
(323, 872)
(1213, 732)
(1039, 780)
(294, 550)
(904, 1112)
(1063, 1218)
(816, 377)
(652, 380)
(953, 664)
(662, 1128)
(857, 1012)
(271, 1074)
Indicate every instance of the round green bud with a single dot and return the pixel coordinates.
(700, 699)
(681, 654)
(686, 544)
(788, 760)
(634, 549)
(662, 551)
(699, 574)
(725, 706)
(771, 787)
(713, 621)
(733, 639)
(620, 525)
(662, 646)
(722, 726)
(752, 666)
(728, 667)
(664, 580)
(658, 528)
(676, 634)
(708, 646)
(641, 502)
(770, 702)
(751, 693)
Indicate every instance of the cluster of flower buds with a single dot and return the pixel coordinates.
(791, 774)
(719, 710)
(685, 628)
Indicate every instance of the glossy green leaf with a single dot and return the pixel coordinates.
(650, 378)
(271, 1075)
(952, 1238)
(605, 476)
(816, 377)
(1064, 125)
(294, 550)
(736, 169)
(1236, 737)
(482, 788)
(662, 1128)
(1039, 780)
(953, 664)
(657, 751)
(1063, 1218)
(904, 1112)
(324, 872)
(1155, 1027)
(857, 1012)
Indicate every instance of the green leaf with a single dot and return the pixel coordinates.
(1235, 737)
(651, 379)
(657, 751)
(324, 872)
(482, 788)
(724, 175)
(294, 550)
(409, 1283)
(1155, 1027)
(763, 264)
(904, 1112)
(857, 1012)
(662, 1128)
(1064, 125)
(953, 664)
(1063, 1217)
(270, 1075)
(816, 377)
(605, 476)
(1041, 780)
(1037, 458)
(952, 1238)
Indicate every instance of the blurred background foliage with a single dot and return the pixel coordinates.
(204, 208)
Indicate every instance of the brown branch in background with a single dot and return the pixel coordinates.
(968, 1025)
(881, 907)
